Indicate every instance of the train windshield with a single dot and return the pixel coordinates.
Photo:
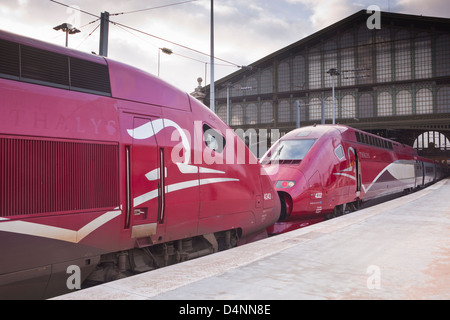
(290, 150)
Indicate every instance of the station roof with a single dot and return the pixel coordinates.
(393, 19)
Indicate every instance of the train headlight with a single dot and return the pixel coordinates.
(283, 184)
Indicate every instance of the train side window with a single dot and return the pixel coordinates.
(213, 139)
(339, 152)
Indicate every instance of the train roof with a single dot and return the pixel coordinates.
(31, 42)
(65, 68)
(315, 131)
(349, 134)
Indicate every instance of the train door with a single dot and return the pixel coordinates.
(356, 167)
(145, 180)
(419, 173)
(358, 175)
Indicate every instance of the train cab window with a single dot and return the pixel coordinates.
(292, 149)
(303, 133)
(213, 139)
(339, 152)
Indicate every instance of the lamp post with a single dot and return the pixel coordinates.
(333, 72)
(68, 29)
(228, 85)
(298, 105)
(211, 86)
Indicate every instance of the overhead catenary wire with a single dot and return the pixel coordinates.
(323, 50)
(88, 35)
(153, 8)
(75, 8)
(175, 44)
(149, 34)
(173, 53)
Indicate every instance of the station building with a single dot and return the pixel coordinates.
(393, 81)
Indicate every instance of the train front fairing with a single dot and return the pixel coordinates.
(296, 165)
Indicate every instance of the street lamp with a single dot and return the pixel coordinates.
(333, 72)
(68, 29)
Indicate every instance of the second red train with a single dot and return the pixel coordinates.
(328, 170)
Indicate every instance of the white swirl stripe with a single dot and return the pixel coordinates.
(42, 230)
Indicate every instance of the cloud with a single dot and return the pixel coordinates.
(434, 8)
(245, 30)
(327, 12)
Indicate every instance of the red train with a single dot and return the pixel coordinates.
(108, 169)
(327, 170)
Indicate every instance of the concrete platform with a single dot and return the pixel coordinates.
(396, 250)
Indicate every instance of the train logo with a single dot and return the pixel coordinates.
(151, 129)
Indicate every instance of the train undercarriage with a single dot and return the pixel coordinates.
(118, 265)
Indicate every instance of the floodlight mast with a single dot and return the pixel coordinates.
(104, 33)
(68, 29)
(212, 89)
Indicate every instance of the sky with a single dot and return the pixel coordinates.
(244, 30)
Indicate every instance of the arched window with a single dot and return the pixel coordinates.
(443, 55)
(443, 100)
(252, 86)
(432, 140)
(403, 103)
(266, 112)
(251, 114)
(315, 109)
(315, 70)
(267, 81)
(365, 68)
(236, 89)
(423, 58)
(384, 59)
(402, 55)
(365, 106)
(348, 107)
(330, 61)
(284, 81)
(329, 108)
(424, 101)
(384, 104)
(237, 115)
(347, 60)
(222, 112)
(284, 111)
(299, 73)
